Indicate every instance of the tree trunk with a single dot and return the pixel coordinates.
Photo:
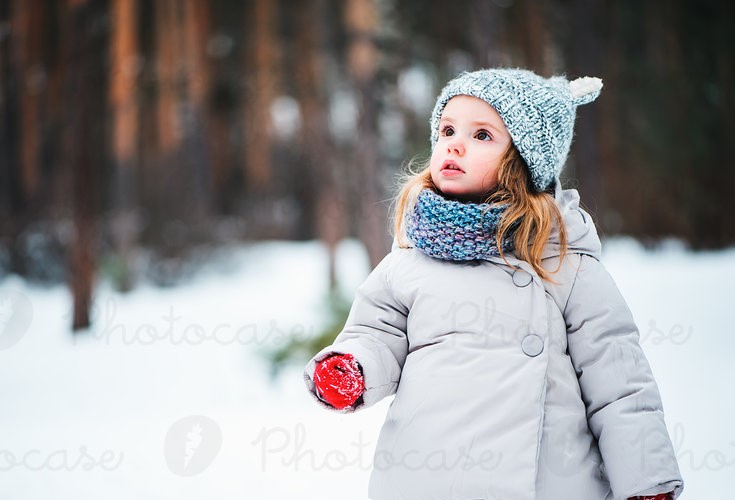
(193, 70)
(84, 145)
(486, 34)
(613, 163)
(197, 22)
(11, 199)
(535, 37)
(585, 56)
(125, 65)
(329, 205)
(28, 21)
(361, 22)
(260, 64)
(168, 58)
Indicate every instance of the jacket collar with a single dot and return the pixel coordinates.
(581, 231)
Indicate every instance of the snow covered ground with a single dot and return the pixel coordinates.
(166, 397)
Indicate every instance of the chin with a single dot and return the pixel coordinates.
(463, 196)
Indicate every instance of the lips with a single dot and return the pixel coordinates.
(450, 167)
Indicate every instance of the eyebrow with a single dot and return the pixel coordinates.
(476, 123)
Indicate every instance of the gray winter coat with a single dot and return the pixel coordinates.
(507, 389)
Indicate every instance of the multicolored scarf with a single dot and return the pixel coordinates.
(451, 230)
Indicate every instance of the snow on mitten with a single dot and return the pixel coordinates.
(339, 380)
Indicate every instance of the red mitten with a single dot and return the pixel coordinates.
(339, 380)
(660, 496)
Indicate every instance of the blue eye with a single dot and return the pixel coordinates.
(483, 135)
(448, 131)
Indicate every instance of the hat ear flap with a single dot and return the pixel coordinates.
(585, 90)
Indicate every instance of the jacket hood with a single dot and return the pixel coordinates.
(581, 231)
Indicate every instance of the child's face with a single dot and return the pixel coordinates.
(472, 141)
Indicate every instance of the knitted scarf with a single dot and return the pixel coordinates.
(451, 230)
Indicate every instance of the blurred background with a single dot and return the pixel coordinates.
(236, 160)
(135, 136)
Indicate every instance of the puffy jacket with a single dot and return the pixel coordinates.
(507, 388)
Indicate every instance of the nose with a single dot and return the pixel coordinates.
(455, 146)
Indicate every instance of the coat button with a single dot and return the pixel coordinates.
(532, 345)
(521, 278)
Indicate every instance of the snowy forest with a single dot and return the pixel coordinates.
(135, 135)
(192, 191)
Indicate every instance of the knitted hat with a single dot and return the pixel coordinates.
(538, 112)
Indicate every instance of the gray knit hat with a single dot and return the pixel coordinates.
(538, 112)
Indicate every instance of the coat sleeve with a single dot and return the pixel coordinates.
(624, 408)
(375, 334)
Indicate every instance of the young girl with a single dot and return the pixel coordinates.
(514, 360)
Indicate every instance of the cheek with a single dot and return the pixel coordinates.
(436, 159)
(490, 180)
(490, 173)
(435, 164)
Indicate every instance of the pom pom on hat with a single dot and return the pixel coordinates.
(585, 90)
(538, 112)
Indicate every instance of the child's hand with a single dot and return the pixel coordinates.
(339, 380)
(660, 496)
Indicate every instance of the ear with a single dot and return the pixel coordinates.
(585, 90)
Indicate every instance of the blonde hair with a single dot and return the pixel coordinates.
(530, 214)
